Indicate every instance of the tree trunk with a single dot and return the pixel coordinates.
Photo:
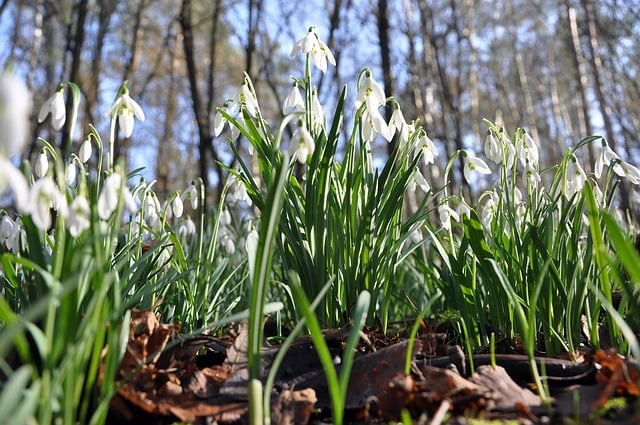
(385, 60)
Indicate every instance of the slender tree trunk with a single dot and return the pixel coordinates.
(205, 146)
(166, 143)
(584, 124)
(74, 47)
(92, 83)
(385, 59)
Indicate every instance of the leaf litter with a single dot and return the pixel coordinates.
(166, 377)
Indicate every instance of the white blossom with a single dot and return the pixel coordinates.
(293, 102)
(301, 144)
(85, 151)
(15, 107)
(79, 216)
(446, 214)
(56, 107)
(42, 164)
(192, 195)
(109, 196)
(320, 52)
(125, 109)
(574, 178)
(472, 165)
(43, 196)
(177, 206)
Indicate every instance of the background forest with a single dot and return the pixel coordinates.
(562, 69)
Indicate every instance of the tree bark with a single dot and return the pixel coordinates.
(385, 60)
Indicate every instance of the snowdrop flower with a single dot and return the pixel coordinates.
(225, 218)
(301, 145)
(251, 246)
(151, 208)
(293, 102)
(125, 108)
(631, 172)
(237, 190)
(85, 151)
(108, 198)
(187, 228)
(43, 196)
(177, 207)
(42, 164)
(192, 195)
(418, 180)
(320, 52)
(231, 108)
(531, 175)
(15, 107)
(397, 123)
(528, 150)
(606, 157)
(79, 214)
(12, 233)
(574, 178)
(227, 244)
(56, 107)
(428, 150)
(373, 123)
(370, 92)
(70, 173)
(492, 148)
(247, 98)
(463, 209)
(472, 165)
(446, 214)
(489, 210)
(13, 178)
(317, 112)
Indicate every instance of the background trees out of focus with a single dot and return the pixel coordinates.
(563, 69)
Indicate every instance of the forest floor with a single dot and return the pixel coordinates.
(167, 379)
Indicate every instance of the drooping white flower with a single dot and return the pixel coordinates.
(373, 123)
(531, 175)
(418, 180)
(237, 190)
(631, 172)
(70, 172)
(15, 106)
(248, 99)
(251, 246)
(43, 196)
(463, 209)
(192, 195)
(492, 148)
(427, 149)
(446, 214)
(472, 165)
(42, 164)
(177, 206)
(317, 112)
(79, 216)
(606, 157)
(125, 109)
(12, 233)
(85, 151)
(489, 210)
(187, 228)
(397, 123)
(293, 102)
(112, 189)
(56, 107)
(528, 150)
(320, 52)
(231, 108)
(370, 92)
(574, 178)
(301, 145)
(12, 178)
